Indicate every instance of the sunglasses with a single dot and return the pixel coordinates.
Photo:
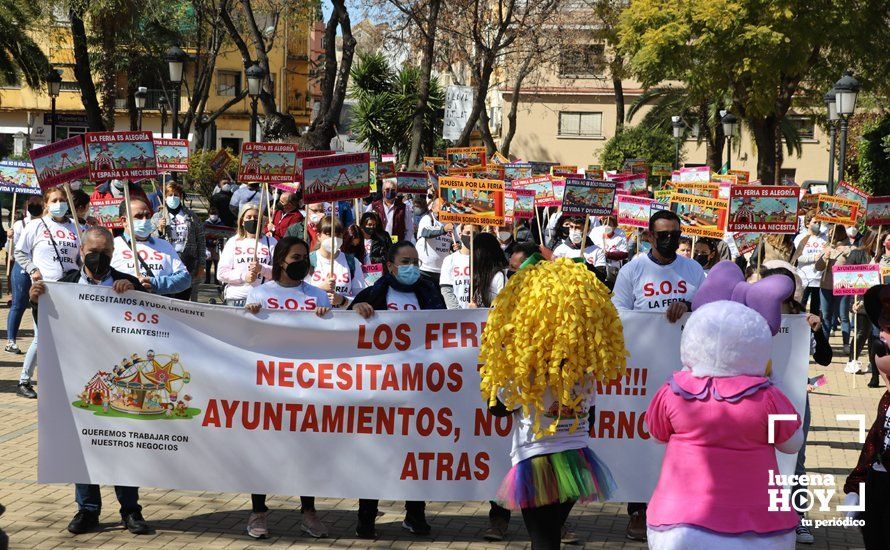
(667, 234)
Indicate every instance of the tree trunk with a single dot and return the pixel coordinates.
(83, 75)
(764, 130)
(423, 93)
(485, 130)
(132, 111)
(715, 140)
(780, 154)
(106, 68)
(618, 86)
(482, 82)
(524, 71)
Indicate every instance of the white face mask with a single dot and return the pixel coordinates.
(331, 245)
(823, 228)
(75, 185)
(118, 184)
(852, 232)
(575, 236)
(315, 217)
(608, 230)
(504, 236)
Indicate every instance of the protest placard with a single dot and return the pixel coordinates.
(17, 176)
(588, 197)
(458, 105)
(388, 157)
(384, 170)
(699, 189)
(60, 162)
(630, 184)
(743, 176)
(107, 213)
(524, 205)
(746, 242)
(855, 280)
(487, 172)
(694, 174)
(268, 162)
(400, 391)
(372, 272)
(836, 210)
(633, 211)
(436, 165)
(661, 170)
(878, 211)
(173, 155)
(220, 162)
(498, 158)
(724, 182)
(464, 157)
(846, 191)
(700, 216)
(662, 195)
(218, 232)
(564, 171)
(121, 155)
(763, 209)
(517, 170)
(541, 185)
(336, 177)
(298, 177)
(541, 168)
(636, 165)
(595, 174)
(471, 200)
(412, 183)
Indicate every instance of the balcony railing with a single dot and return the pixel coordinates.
(151, 99)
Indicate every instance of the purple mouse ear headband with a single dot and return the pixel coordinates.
(727, 282)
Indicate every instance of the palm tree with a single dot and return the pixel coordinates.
(19, 54)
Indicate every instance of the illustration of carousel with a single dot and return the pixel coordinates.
(140, 386)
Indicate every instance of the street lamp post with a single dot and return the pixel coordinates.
(831, 105)
(139, 99)
(845, 91)
(162, 105)
(730, 124)
(255, 77)
(175, 60)
(54, 86)
(678, 127)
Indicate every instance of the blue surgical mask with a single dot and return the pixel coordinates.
(58, 209)
(645, 247)
(408, 274)
(119, 184)
(173, 202)
(143, 228)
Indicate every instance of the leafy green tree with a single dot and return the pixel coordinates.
(873, 158)
(20, 56)
(762, 51)
(653, 144)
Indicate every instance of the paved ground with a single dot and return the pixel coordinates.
(37, 514)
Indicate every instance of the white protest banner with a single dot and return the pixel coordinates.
(151, 391)
(458, 104)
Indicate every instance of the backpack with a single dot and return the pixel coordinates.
(350, 261)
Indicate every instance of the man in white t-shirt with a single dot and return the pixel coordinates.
(808, 247)
(435, 241)
(658, 281)
(455, 278)
(160, 269)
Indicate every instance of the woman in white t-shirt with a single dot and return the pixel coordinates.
(489, 270)
(347, 279)
(237, 268)
(47, 249)
(455, 278)
(287, 291)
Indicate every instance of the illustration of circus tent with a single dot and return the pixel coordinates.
(97, 388)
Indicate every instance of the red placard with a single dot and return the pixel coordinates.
(107, 213)
(219, 162)
(878, 211)
(60, 162)
(268, 162)
(763, 209)
(412, 183)
(121, 155)
(172, 155)
(336, 177)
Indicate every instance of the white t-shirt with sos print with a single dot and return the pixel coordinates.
(456, 272)
(432, 251)
(304, 297)
(235, 259)
(644, 285)
(37, 239)
(345, 283)
(158, 254)
(592, 254)
(396, 300)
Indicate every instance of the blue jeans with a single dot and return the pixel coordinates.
(21, 285)
(89, 498)
(827, 307)
(30, 363)
(835, 309)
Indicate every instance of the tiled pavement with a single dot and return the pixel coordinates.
(37, 514)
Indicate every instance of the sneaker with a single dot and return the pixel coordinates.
(256, 525)
(568, 535)
(12, 348)
(366, 528)
(497, 531)
(136, 524)
(804, 535)
(417, 525)
(312, 525)
(636, 527)
(25, 390)
(84, 522)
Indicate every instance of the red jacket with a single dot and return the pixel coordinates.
(103, 192)
(283, 220)
(398, 217)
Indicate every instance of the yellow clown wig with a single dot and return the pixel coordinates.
(552, 327)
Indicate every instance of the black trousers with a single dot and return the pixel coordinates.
(431, 276)
(368, 507)
(258, 504)
(544, 524)
(876, 532)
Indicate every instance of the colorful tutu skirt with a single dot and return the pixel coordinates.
(576, 474)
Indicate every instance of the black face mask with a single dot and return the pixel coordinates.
(35, 210)
(250, 226)
(667, 243)
(465, 240)
(297, 270)
(368, 231)
(98, 263)
(702, 259)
